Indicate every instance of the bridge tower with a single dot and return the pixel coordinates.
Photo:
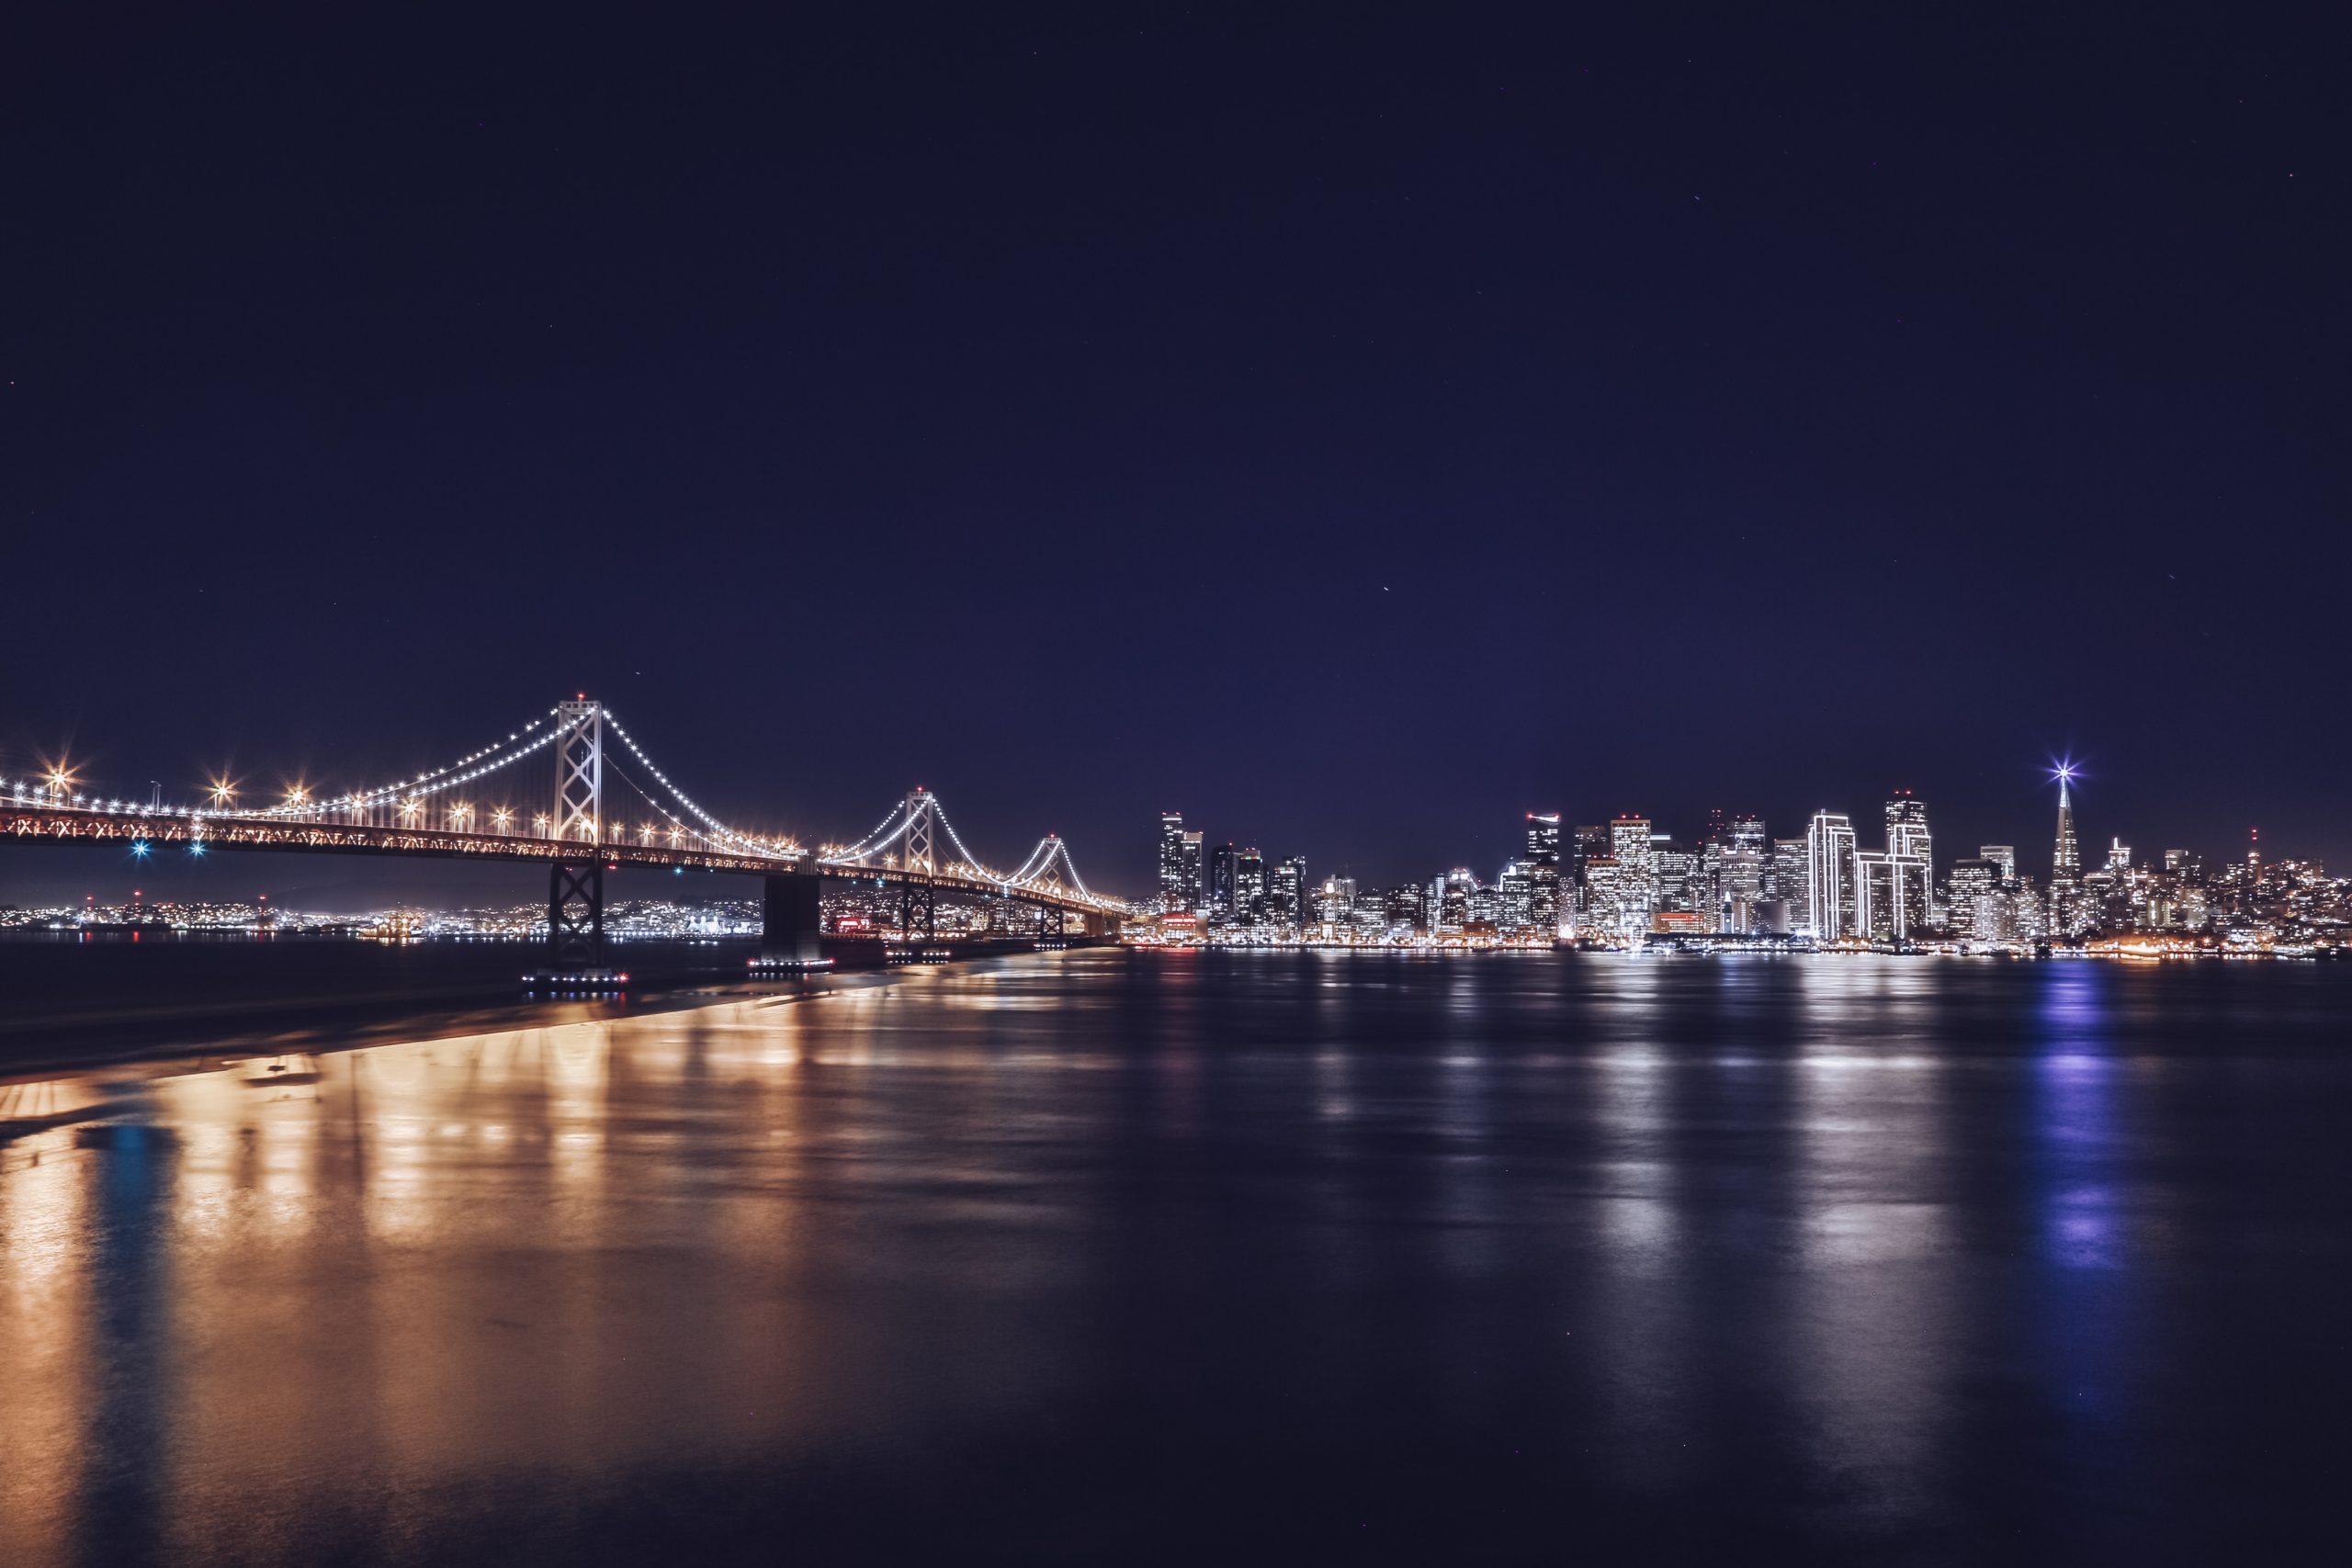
(918, 892)
(576, 881)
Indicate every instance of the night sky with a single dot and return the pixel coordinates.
(1353, 432)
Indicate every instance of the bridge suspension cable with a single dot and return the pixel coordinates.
(1051, 847)
(475, 764)
(1035, 872)
(737, 840)
(871, 844)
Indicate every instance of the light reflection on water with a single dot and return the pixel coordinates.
(1866, 1253)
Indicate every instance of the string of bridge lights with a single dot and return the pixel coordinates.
(784, 849)
(462, 771)
(866, 846)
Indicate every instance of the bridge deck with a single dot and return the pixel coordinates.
(21, 822)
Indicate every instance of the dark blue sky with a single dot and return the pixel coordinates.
(1353, 432)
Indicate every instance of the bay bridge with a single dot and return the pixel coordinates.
(606, 805)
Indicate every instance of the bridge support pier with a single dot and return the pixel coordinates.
(576, 915)
(791, 920)
(917, 912)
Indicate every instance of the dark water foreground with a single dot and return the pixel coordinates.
(1202, 1257)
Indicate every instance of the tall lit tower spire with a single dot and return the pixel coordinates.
(2067, 858)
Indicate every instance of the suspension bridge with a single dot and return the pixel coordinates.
(610, 806)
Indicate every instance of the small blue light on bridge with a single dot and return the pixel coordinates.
(197, 849)
(139, 847)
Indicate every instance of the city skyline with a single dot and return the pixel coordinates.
(44, 877)
(1377, 428)
(1629, 883)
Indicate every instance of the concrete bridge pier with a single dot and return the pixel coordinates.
(790, 919)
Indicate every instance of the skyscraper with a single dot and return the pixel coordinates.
(1453, 900)
(1514, 898)
(1789, 886)
(1543, 872)
(1895, 890)
(1890, 895)
(1906, 828)
(1249, 885)
(1222, 859)
(1831, 903)
(1740, 885)
(1975, 901)
(2066, 857)
(2066, 902)
(1637, 885)
(1335, 904)
(1286, 895)
(1176, 894)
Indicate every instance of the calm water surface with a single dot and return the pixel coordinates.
(1112, 1256)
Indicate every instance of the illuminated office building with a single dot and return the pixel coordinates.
(1890, 895)
(1831, 901)
(1222, 863)
(1286, 893)
(1544, 879)
(1789, 884)
(1179, 864)
(1249, 885)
